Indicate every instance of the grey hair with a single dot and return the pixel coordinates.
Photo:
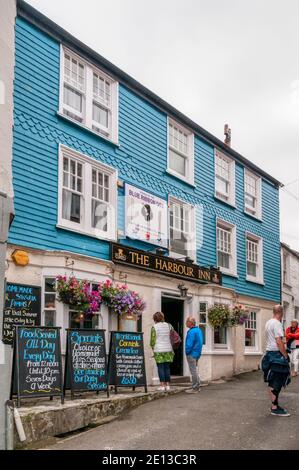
(191, 320)
(277, 309)
(295, 321)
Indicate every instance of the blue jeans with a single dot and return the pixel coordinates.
(164, 371)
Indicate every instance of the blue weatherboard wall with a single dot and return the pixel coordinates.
(141, 159)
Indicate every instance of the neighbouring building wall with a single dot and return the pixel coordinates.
(290, 283)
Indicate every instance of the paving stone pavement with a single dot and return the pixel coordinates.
(230, 415)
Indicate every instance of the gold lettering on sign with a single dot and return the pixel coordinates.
(190, 272)
(170, 266)
(175, 268)
(181, 269)
(204, 275)
(158, 263)
(140, 259)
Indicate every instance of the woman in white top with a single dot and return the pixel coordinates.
(161, 346)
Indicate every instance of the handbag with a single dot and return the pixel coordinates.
(175, 338)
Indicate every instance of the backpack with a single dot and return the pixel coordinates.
(175, 338)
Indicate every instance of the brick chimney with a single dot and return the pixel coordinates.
(227, 133)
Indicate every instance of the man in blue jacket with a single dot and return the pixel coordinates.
(193, 347)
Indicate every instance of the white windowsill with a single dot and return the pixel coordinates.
(229, 203)
(229, 273)
(252, 353)
(219, 352)
(67, 118)
(253, 216)
(179, 257)
(83, 232)
(182, 178)
(255, 281)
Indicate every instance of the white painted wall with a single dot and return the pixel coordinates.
(213, 364)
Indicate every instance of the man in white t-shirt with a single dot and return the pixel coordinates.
(275, 363)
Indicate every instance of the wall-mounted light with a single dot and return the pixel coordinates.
(189, 260)
(183, 290)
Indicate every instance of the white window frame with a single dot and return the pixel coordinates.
(206, 323)
(247, 209)
(222, 346)
(189, 177)
(259, 279)
(222, 224)
(192, 222)
(85, 226)
(44, 308)
(88, 98)
(257, 329)
(228, 197)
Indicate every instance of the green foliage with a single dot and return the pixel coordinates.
(219, 315)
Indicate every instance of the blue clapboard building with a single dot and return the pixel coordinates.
(111, 182)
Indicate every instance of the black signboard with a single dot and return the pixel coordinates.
(86, 361)
(22, 307)
(126, 365)
(164, 265)
(37, 369)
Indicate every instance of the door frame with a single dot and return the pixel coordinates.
(171, 295)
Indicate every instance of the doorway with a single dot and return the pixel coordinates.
(173, 309)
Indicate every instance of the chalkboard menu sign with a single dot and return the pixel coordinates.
(86, 363)
(22, 307)
(37, 368)
(126, 365)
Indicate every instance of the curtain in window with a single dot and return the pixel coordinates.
(99, 215)
(70, 206)
(220, 335)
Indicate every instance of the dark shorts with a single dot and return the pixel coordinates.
(276, 370)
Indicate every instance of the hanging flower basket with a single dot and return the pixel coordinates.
(78, 294)
(238, 315)
(121, 300)
(108, 291)
(222, 316)
(219, 316)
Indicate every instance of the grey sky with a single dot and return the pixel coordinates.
(217, 61)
